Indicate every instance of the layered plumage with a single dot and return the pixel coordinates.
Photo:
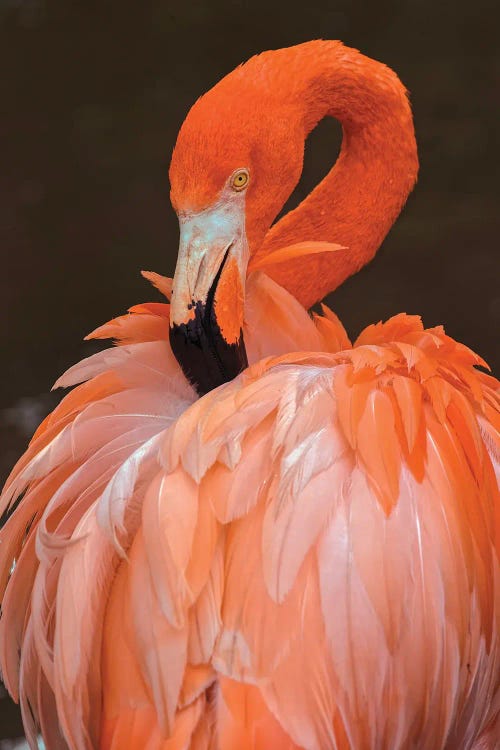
(305, 557)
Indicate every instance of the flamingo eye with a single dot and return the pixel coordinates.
(240, 179)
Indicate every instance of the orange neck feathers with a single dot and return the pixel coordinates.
(356, 204)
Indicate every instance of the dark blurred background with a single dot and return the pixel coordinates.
(92, 94)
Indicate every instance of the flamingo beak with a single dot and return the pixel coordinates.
(206, 311)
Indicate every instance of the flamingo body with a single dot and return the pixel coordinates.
(307, 556)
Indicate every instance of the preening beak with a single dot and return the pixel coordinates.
(206, 313)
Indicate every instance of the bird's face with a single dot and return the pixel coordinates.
(232, 169)
(206, 313)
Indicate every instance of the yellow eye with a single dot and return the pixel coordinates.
(240, 179)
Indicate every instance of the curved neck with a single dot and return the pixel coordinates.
(357, 202)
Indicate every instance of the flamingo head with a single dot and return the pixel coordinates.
(238, 156)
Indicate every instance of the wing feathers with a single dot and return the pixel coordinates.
(324, 529)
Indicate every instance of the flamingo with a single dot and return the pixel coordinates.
(238, 529)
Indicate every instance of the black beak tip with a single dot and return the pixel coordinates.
(206, 358)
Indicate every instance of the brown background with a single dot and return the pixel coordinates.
(92, 95)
